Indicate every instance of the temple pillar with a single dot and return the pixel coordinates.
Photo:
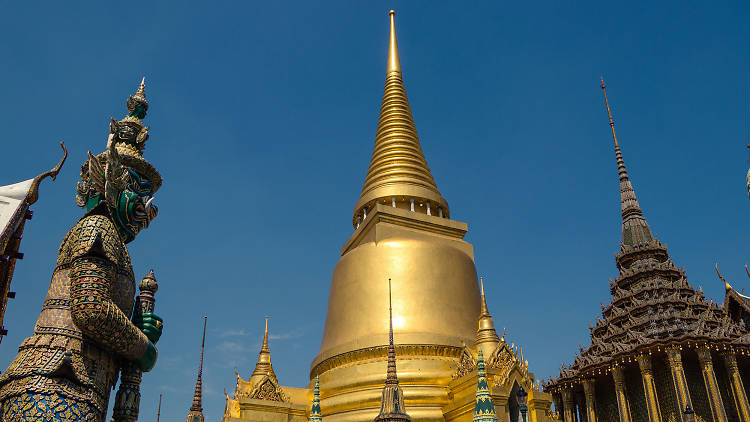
(679, 382)
(738, 389)
(623, 407)
(649, 388)
(581, 406)
(712, 386)
(569, 406)
(588, 391)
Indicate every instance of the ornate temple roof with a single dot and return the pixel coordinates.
(15, 201)
(652, 305)
(398, 167)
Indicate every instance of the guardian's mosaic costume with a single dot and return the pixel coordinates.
(84, 334)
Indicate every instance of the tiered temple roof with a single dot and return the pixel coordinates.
(653, 305)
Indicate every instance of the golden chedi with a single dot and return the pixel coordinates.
(402, 232)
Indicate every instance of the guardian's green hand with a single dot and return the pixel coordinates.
(151, 325)
(148, 359)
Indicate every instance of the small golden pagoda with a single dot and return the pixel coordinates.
(402, 231)
(660, 346)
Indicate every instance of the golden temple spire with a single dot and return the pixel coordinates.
(487, 339)
(196, 410)
(394, 64)
(392, 407)
(398, 172)
(635, 229)
(263, 366)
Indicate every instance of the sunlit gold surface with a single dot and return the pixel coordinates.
(436, 302)
(435, 291)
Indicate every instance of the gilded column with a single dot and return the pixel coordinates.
(623, 407)
(738, 389)
(712, 386)
(679, 382)
(569, 406)
(649, 388)
(588, 390)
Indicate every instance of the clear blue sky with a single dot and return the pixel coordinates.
(263, 116)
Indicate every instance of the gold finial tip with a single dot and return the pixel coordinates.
(392, 12)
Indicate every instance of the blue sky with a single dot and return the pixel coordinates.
(263, 116)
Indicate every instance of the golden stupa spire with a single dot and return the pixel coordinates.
(398, 172)
(263, 366)
(635, 229)
(487, 339)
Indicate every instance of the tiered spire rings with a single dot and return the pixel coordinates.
(635, 230)
(263, 366)
(315, 414)
(484, 408)
(398, 173)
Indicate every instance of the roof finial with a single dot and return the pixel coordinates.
(394, 64)
(609, 112)
(727, 286)
(196, 410)
(635, 229)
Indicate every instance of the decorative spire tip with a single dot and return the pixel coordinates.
(394, 64)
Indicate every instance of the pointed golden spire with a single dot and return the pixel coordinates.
(398, 171)
(196, 410)
(487, 339)
(394, 64)
(635, 229)
(263, 366)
